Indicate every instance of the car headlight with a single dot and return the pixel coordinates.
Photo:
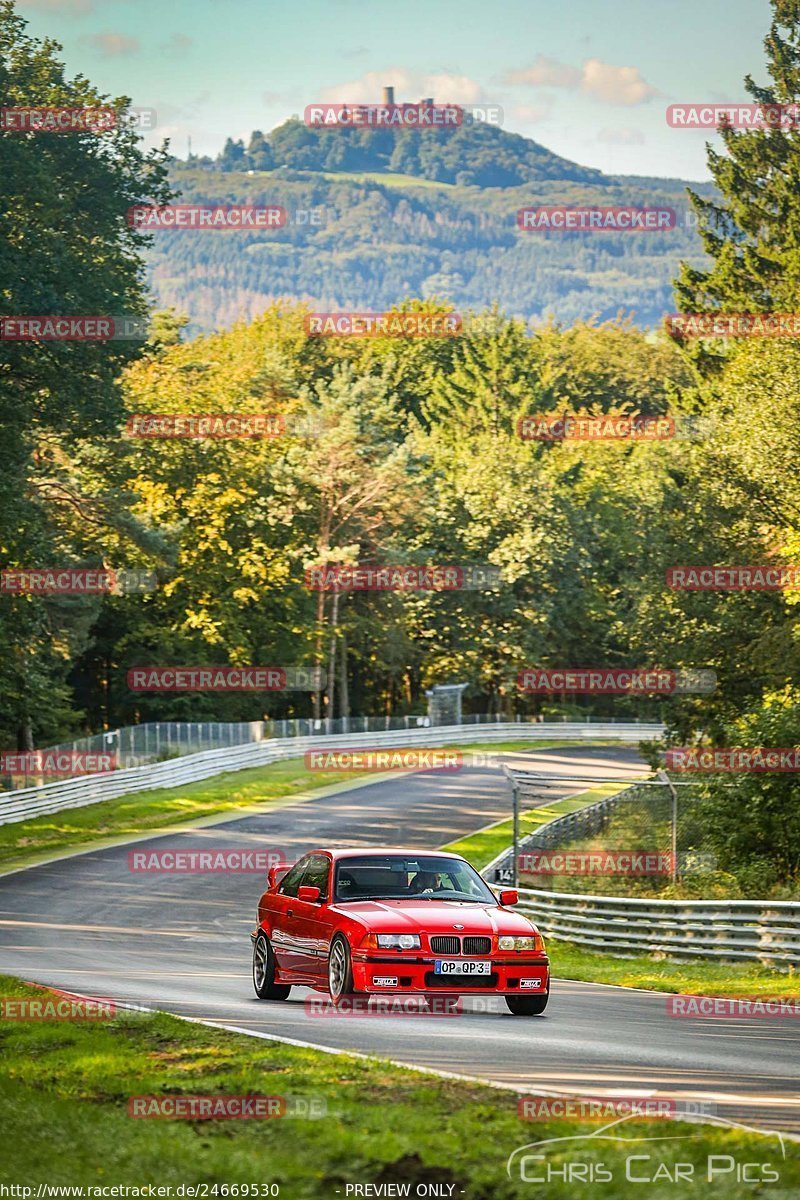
(518, 943)
(398, 941)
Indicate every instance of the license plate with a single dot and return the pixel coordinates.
(452, 966)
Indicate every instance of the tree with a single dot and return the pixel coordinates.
(232, 156)
(752, 234)
(64, 250)
(259, 152)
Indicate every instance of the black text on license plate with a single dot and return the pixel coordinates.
(451, 966)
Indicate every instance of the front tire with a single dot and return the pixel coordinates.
(527, 1006)
(264, 971)
(340, 970)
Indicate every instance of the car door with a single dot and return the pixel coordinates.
(313, 921)
(284, 934)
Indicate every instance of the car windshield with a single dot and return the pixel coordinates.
(403, 877)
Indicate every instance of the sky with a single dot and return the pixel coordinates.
(588, 79)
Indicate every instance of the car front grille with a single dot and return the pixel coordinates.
(477, 945)
(447, 944)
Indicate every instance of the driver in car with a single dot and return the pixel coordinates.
(425, 881)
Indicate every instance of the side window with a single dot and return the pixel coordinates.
(291, 881)
(316, 874)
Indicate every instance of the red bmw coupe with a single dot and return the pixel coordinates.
(377, 921)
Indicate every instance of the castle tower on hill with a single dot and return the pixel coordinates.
(388, 98)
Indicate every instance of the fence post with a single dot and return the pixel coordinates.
(662, 775)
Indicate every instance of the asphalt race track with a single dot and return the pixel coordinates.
(180, 942)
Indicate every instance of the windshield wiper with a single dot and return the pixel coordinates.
(346, 899)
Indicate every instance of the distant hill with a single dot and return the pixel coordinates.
(470, 155)
(378, 215)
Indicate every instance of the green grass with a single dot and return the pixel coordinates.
(389, 178)
(485, 845)
(26, 842)
(142, 811)
(692, 976)
(65, 1088)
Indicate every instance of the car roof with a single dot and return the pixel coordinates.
(337, 852)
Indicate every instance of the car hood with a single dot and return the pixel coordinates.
(434, 916)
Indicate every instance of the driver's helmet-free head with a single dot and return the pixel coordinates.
(423, 880)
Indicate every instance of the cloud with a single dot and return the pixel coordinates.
(112, 45)
(545, 72)
(615, 85)
(75, 7)
(612, 85)
(408, 86)
(531, 114)
(621, 137)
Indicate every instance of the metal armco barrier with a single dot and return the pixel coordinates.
(761, 930)
(90, 789)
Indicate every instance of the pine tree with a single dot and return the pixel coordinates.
(753, 233)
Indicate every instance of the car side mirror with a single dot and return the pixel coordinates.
(276, 873)
(510, 896)
(309, 894)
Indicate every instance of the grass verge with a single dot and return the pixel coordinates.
(65, 1088)
(24, 842)
(485, 844)
(694, 976)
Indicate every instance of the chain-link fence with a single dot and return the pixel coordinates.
(648, 840)
(157, 741)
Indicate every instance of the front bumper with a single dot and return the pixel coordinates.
(514, 976)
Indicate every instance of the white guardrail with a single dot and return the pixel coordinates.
(91, 789)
